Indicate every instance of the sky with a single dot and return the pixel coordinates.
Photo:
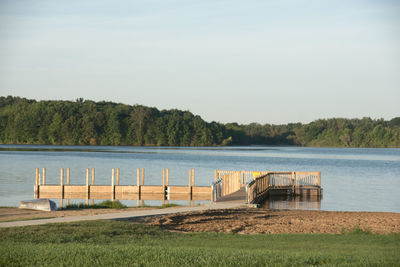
(272, 62)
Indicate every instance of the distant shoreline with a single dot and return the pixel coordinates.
(86, 122)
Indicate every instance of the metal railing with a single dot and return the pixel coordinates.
(216, 190)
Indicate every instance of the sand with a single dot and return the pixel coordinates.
(251, 221)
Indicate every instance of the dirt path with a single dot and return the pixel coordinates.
(250, 221)
(14, 217)
(15, 214)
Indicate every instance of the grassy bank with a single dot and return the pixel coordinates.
(115, 243)
(107, 204)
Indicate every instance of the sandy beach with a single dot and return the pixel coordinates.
(251, 221)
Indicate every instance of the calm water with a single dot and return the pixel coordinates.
(352, 179)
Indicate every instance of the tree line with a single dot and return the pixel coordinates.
(85, 122)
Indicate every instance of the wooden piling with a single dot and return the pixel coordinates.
(319, 179)
(62, 183)
(117, 176)
(112, 184)
(87, 187)
(138, 184)
(167, 177)
(163, 187)
(163, 178)
(67, 184)
(192, 177)
(92, 201)
(293, 182)
(67, 175)
(142, 202)
(36, 193)
(44, 176)
(319, 183)
(190, 184)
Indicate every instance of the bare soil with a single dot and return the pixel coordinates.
(252, 221)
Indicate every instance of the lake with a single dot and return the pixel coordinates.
(353, 179)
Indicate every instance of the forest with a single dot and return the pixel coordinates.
(85, 122)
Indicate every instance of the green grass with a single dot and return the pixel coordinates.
(116, 243)
(107, 204)
(169, 205)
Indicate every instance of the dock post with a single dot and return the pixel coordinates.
(92, 184)
(36, 193)
(163, 178)
(87, 187)
(163, 186)
(319, 183)
(215, 175)
(44, 176)
(192, 177)
(167, 177)
(293, 183)
(117, 176)
(138, 184)
(112, 184)
(142, 184)
(190, 184)
(67, 184)
(61, 186)
(167, 184)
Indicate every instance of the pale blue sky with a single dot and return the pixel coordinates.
(227, 61)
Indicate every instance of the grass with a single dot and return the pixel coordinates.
(115, 243)
(107, 204)
(169, 205)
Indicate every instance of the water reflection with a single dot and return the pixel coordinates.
(302, 202)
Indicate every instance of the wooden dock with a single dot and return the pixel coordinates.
(250, 187)
(115, 191)
(261, 185)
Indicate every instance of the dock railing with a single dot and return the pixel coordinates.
(231, 181)
(116, 191)
(281, 180)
